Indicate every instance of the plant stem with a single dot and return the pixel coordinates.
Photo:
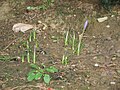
(23, 59)
(28, 53)
(79, 44)
(73, 42)
(66, 38)
(34, 54)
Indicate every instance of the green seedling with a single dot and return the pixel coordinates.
(41, 73)
(66, 38)
(64, 60)
(41, 7)
(81, 36)
(34, 54)
(44, 6)
(31, 44)
(73, 41)
(32, 36)
(79, 44)
(7, 58)
(28, 52)
(23, 58)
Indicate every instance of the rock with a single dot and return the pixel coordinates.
(21, 27)
(102, 19)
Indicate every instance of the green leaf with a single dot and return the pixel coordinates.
(34, 66)
(32, 71)
(38, 76)
(47, 78)
(41, 70)
(31, 77)
(51, 69)
(54, 69)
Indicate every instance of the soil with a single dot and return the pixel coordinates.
(96, 68)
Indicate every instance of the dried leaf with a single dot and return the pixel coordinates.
(21, 27)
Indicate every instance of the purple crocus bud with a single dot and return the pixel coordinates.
(85, 25)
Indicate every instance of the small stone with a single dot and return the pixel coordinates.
(102, 19)
(96, 65)
(113, 58)
(112, 15)
(108, 26)
(94, 36)
(109, 38)
(112, 83)
(39, 21)
(22, 27)
(73, 65)
(95, 57)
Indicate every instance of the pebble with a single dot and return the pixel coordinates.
(108, 26)
(112, 83)
(102, 19)
(96, 65)
(112, 15)
(113, 58)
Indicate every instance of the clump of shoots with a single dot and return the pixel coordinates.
(31, 46)
(81, 36)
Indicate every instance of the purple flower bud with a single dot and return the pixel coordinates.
(85, 25)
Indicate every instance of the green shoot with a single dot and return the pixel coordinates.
(66, 38)
(79, 44)
(34, 54)
(64, 60)
(73, 41)
(28, 52)
(34, 35)
(30, 37)
(81, 36)
(23, 58)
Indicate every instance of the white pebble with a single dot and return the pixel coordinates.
(96, 65)
(113, 83)
(108, 26)
(102, 19)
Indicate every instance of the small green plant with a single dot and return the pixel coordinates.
(66, 38)
(7, 58)
(64, 60)
(31, 45)
(74, 42)
(80, 37)
(41, 73)
(46, 4)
